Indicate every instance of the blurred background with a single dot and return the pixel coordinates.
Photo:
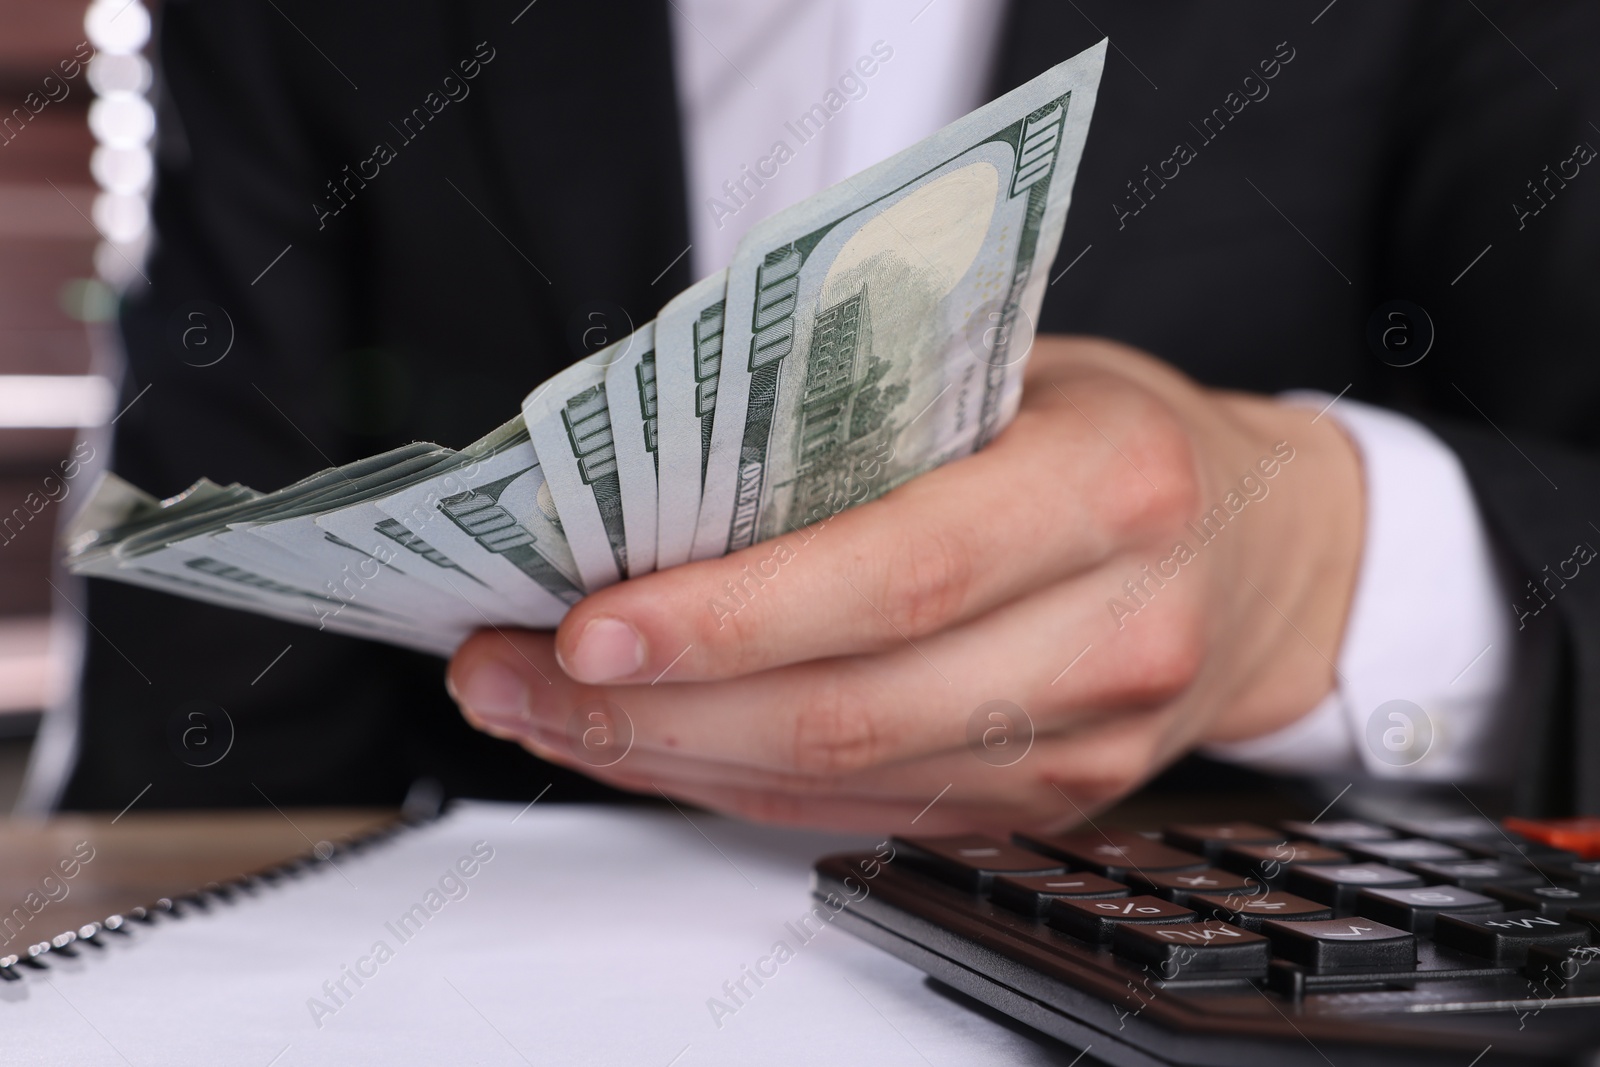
(74, 182)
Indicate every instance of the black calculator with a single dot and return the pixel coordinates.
(1325, 943)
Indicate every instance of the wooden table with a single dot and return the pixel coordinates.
(140, 857)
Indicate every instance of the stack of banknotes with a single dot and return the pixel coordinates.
(859, 339)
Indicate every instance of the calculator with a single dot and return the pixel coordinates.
(1452, 941)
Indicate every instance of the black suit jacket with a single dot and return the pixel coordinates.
(382, 296)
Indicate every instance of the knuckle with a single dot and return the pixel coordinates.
(926, 589)
(1167, 493)
(729, 625)
(1169, 660)
(834, 733)
(1164, 664)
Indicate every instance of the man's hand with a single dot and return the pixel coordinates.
(1138, 564)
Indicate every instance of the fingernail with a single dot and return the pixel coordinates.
(493, 691)
(608, 649)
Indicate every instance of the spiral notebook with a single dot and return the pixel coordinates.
(499, 934)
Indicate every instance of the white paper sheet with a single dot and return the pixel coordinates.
(592, 936)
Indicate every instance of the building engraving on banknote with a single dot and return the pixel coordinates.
(974, 218)
(845, 414)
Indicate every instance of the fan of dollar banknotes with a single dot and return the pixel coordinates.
(858, 339)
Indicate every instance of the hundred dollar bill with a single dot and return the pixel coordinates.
(569, 421)
(873, 331)
(116, 509)
(288, 543)
(211, 511)
(203, 542)
(309, 559)
(285, 553)
(211, 581)
(222, 573)
(631, 398)
(206, 510)
(265, 552)
(365, 524)
(199, 571)
(494, 518)
(688, 359)
(375, 570)
(226, 530)
(354, 604)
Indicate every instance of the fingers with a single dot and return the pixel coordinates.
(1056, 657)
(1055, 782)
(823, 717)
(1049, 498)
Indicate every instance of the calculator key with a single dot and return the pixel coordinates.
(1339, 885)
(1195, 950)
(1584, 874)
(1032, 893)
(1250, 911)
(1513, 847)
(1416, 909)
(971, 861)
(1477, 873)
(1209, 839)
(1406, 850)
(1580, 835)
(1094, 920)
(1551, 901)
(1447, 828)
(1589, 917)
(1113, 853)
(1505, 938)
(1573, 971)
(1337, 832)
(1179, 886)
(1348, 946)
(1271, 863)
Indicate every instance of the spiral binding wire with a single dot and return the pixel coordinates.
(68, 943)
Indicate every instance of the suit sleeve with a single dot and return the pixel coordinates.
(226, 347)
(240, 265)
(1493, 226)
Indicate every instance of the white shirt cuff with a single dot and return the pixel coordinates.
(1426, 660)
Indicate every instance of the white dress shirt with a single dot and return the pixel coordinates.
(1425, 664)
